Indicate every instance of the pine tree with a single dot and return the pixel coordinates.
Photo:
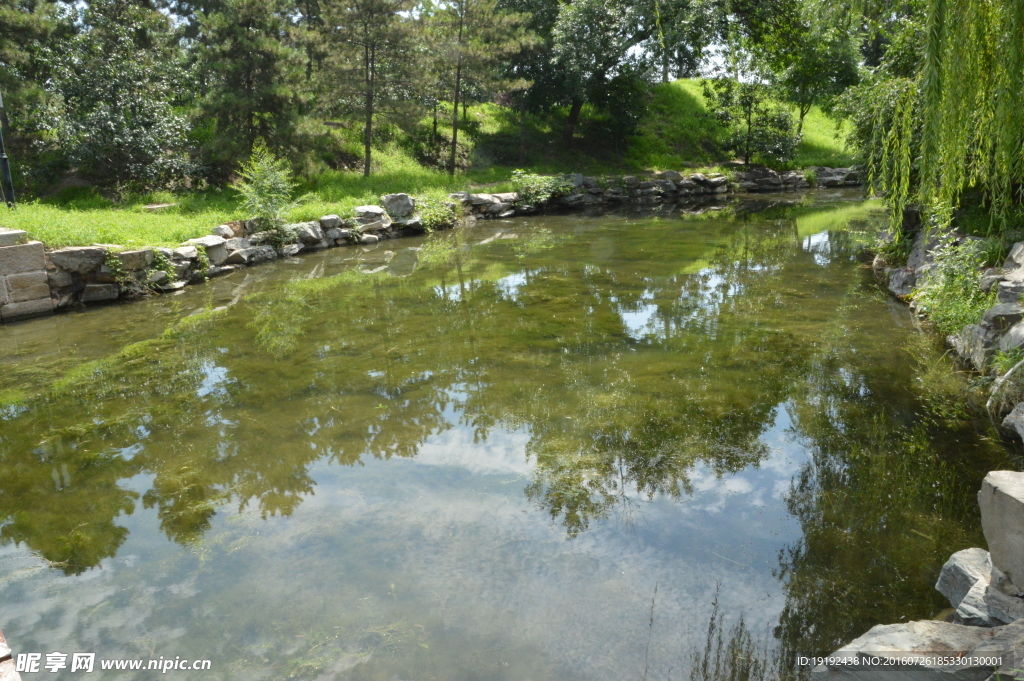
(254, 76)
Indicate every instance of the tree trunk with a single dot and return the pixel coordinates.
(368, 126)
(455, 117)
(800, 124)
(522, 129)
(571, 121)
(465, 115)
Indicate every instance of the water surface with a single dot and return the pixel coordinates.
(485, 454)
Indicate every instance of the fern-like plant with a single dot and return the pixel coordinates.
(267, 190)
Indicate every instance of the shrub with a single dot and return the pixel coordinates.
(267, 188)
(535, 190)
(950, 294)
(436, 213)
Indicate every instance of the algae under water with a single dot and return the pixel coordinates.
(476, 455)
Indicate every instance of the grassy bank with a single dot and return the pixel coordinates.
(675, 133)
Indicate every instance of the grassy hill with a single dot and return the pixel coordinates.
(675, 133)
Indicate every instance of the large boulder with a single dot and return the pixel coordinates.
(398, 205)
(878, 654)
(902, 281)
(11, 237)
(223, 231)
(1015, 420)
(133, 261)
(1002, 519)
(974, 344)
(1002, 316)
(1016, 257)
(372, 212)
(80, 259)
(330, 222)
(308, 232)
(961, 572)
(216, 253)
(977, 590)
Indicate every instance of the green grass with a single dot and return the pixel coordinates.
(676, 133)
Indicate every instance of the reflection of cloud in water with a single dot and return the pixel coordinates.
(497, 454)
(474, 570)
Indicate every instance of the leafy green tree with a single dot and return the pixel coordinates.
(471, 38)
(592, 44)
(254, 81)
(26, 31)
(118, 79)
(757, 127)
(373, 72)
(821, 69)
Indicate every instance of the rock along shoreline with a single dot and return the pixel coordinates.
(36, 281)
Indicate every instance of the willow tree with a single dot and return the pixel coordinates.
(960, 123)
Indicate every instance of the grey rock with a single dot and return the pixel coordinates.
(962, 571)
(629, 181)
(987, 606)
(974, 344)
(223, 231)
(221, 270)
(699, 178)
(575, 179)
(1013, 339)
(895, 641)
(1015, 420)
(902, 281)
(717, 180)
(252, 256)
(16, 282)
(975, 588)
(210, 241)
(398, 205)
(28, 257)
(288, 250)
(216, 254)
(95, 293)
(411, 222)
(368, 239)
(1001, 499)
(11, 237)
(37, 292)
(59, 278)
(1009, 291)
(214, 247)
(506, 214)
(507, 197)
(157, 277)
(308, 232)
(186, 253)
(170, 287)
(336, 233)
(374, 212)
(182, 269)
(237, 244)
(1002, 316)
(482, 199)
(670, 175)
(989, 279)
(5, 297)
(330, 222)
(133, 261)
(34, 308)
(573, 200)
(375, 226)
(78, 259)
(1016, 257)
(496, 208)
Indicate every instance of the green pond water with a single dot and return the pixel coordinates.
(477, 455)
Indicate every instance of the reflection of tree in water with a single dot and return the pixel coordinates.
(887, 496)
(353, 366)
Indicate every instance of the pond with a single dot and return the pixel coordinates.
(533, 449)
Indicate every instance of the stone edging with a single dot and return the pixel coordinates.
(35, 281)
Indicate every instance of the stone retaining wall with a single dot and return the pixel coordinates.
(34, 281)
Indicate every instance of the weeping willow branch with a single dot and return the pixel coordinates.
(963, 118)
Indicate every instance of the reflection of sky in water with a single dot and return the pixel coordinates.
(447, 536)
(818, 245)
